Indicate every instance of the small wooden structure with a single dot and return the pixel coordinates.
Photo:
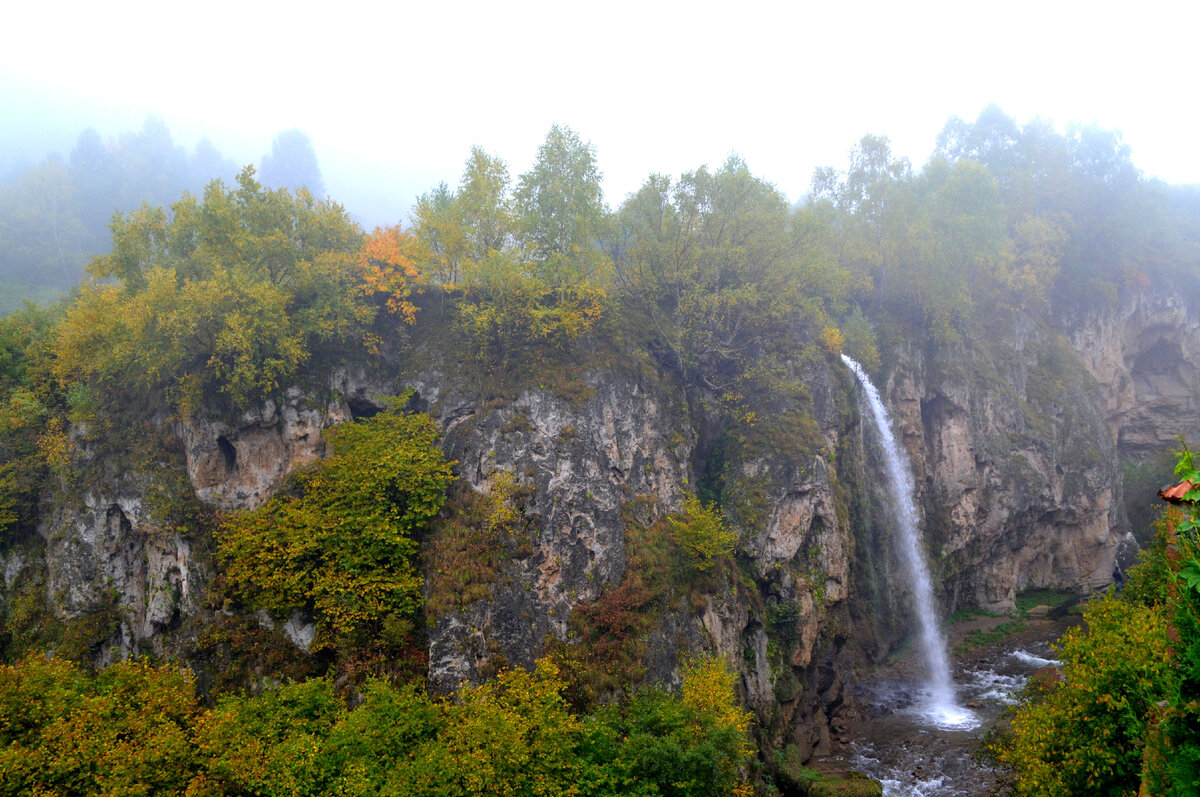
(1175, 493)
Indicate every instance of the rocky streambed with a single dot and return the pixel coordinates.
(881, 732)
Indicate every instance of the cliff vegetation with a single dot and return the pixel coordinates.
(537, 496)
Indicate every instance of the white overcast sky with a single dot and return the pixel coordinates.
(393, 95)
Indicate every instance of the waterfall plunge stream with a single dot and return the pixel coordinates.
(942, 707)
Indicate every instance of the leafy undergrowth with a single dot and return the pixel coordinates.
(1123, 716)
(338, 544)
(467, 545)
(137, 729)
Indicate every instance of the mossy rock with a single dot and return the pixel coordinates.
(793, 778)
(791, 774)
(787, 688)
(853, 784)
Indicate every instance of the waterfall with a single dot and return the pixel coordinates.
(942, 707)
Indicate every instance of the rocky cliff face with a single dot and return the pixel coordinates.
(100, 553)
(622, 455)
(104, 550)
(1018, 477)
(1145, 356)
(238, 465)
(583, 463)
(1014, 441)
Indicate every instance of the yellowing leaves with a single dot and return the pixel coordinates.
(227, 297)
(833, 340)
(388, 266)
(702, 533)
(1086, 734)
(708, 688)
(341, 542)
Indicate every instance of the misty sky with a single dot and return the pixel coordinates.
(394, 95)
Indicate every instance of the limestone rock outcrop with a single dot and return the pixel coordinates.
(1019, 480)
(237, 465)
(1144, 353)
(101, 553)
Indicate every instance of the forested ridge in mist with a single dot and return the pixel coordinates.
(55, 215)
(248, 305)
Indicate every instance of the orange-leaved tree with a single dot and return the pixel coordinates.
(390, 267)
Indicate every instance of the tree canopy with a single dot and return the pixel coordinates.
(228, 295)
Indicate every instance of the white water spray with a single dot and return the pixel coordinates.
(942, 708)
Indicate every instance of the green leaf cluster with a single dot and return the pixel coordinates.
(525, 268)
(701, 532)
(724, 270)
(339, 543)
(137, 729)
(29, 410)
(126, 730)
(1002, 214)
(226, 297)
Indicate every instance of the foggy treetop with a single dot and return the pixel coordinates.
(1046, 202)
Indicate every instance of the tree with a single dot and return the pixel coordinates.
(524, 270)
(484, 206)
(270, 744)
(226, 297)
(461, 229)
(389, 267)
(701, 532)
(560, 211)
(41, 234)
(514, 735)
(722, 268)
(96, 181)
(695, 743)
(292, 163)
(206, 164)
(441, 235)
(1087, 734)
(992, 141)
(148, 166)
(27, 403)
(874, 200)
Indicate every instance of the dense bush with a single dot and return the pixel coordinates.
(127, 730)
(1125, 715)
(702, 534)
(228, 296)
(339, 542)
(1086, 735)
(136, 729)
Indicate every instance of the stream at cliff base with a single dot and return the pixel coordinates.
(896, 742)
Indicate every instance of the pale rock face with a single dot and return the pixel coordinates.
(299, 627)
(104, 550)
(585, 464)
(1145, 356)
(805, 549)
(1015, 473)
(238, 467)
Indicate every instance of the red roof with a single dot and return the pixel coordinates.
(1175, 493)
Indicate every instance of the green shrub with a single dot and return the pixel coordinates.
(1086, 735)
(340, 542)
(127, 730)
(701, 532)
